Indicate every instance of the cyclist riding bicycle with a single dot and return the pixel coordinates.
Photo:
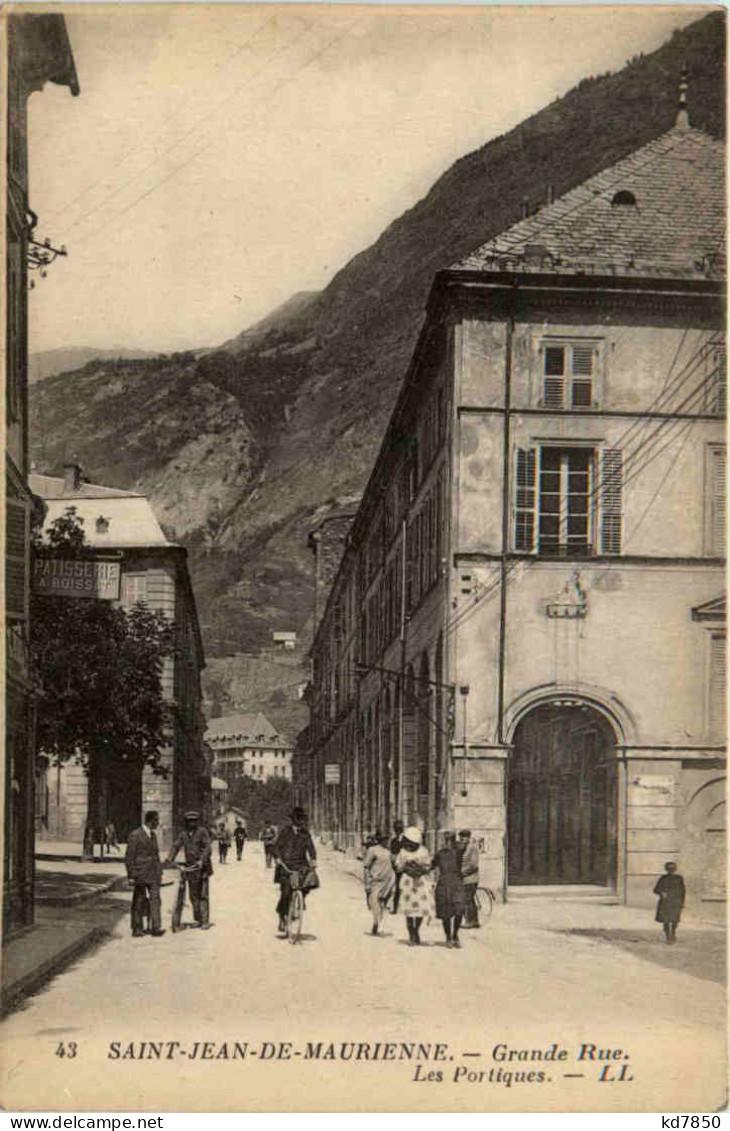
(293, 851)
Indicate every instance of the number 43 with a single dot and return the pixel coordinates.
(67, 1048)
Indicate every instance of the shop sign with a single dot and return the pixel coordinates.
(85, 577)
(332, 774)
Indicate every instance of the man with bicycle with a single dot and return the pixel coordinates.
(293, 851)
(195, 843)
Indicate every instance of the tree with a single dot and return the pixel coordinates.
(99, 671)
(270, 800)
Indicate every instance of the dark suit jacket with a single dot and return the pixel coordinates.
(143, 858)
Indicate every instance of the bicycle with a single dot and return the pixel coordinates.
(485, 899)
(295, 912)
(177, 910)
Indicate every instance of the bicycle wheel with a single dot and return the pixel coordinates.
(178, 908)
(295, 916)
(485, 901)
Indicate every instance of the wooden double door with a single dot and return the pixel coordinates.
(562, 798)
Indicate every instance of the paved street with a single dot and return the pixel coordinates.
(518, 981)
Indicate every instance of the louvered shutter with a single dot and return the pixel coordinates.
(525, 489)
(582, 376)
(718, 530)
(717, 712)
(718, 381)
(17, 558)
(553, 376)
(611, 493)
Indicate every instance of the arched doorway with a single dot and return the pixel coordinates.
(562, 797)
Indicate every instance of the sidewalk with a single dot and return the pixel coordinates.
(75, 908)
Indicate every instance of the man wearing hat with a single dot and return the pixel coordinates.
(195, 843)
(469, 876)
(145, 872)
(293, 851)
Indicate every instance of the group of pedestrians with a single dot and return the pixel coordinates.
(399, 873)
(223, 837)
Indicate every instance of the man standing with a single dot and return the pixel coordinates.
(396, 843)
(469, 876)
(145, 872)
(268, 836)
(294, 851)
(671, 892)
(195, 843)
(240, 835)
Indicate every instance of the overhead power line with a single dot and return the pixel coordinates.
(192, 157)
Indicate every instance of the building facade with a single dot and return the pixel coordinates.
(121, 528)
(526, 635)
(38, 52)
(248, 745)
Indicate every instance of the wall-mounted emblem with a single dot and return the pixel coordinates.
(572, 603)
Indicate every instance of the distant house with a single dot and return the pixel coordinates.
(122, 529)
(286, 640)
(248, 746)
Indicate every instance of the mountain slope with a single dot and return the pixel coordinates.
(312, 386)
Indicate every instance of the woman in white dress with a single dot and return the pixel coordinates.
(413, 862)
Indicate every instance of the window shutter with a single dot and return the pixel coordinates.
(553, 378)
(17, 558)
(717, 531)
(525, 500)
(717, 715)
(582, 370)
(611, 500)
(718, 382)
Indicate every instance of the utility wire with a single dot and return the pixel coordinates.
(159, 184)
(75, 201)
(184, 137)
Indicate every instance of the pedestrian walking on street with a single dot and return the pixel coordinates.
(379, 878)
(293, 851)
(396, 844)
(469, 853)
(416, 891)
(240, 834)
(268, 836)
(195, 844)
(671, 891)
(449, 892)
(145, 872)
(110, 837)
(224, 842)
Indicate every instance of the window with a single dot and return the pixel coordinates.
(716, 696)
(568, 374)
(17, 558)
(568, 501)
(715, 500)
(135, 589)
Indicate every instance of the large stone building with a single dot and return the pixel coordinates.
(526, 635)
(38, 52)
(248, 745)
(121, 528)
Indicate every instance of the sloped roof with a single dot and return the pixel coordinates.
(131, 519)
(675, 228)
(254, 729)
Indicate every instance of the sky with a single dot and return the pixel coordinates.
(221, 158)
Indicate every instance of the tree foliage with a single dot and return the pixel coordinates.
(262, 801)
(99, 669)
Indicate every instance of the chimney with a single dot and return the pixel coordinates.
(71, 477)
(524, 209)
(550, 194)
